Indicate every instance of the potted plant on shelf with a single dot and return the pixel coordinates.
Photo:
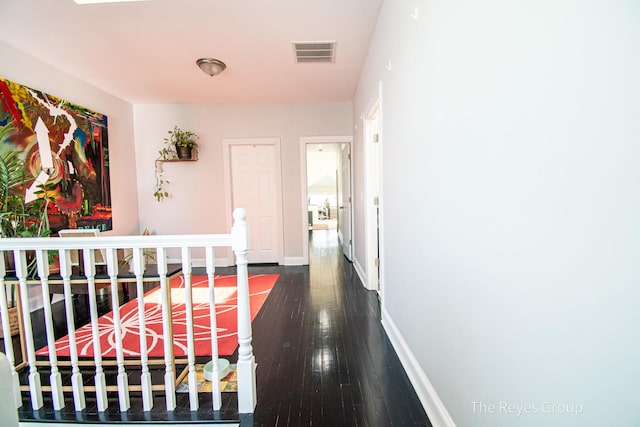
(184, 142)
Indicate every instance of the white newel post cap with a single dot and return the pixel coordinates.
(239, 230)
(239, 216)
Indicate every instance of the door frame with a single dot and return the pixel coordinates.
(228, 193)
(374, 227)
(304, 141)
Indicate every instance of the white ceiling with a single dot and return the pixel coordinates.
(145, 52)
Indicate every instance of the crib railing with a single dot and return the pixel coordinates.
(26, 278)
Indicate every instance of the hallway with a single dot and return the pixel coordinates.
(323, 356)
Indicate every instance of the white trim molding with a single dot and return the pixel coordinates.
(294, 260)
(360, 271)
(430, 400)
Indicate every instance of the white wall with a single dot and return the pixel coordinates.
(197, 202)
(510, 151)
(21, 68)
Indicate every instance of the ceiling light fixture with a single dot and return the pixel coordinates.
(211, 66)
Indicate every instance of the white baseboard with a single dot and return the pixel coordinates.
(294, 260)
(360, 271)
(430, 400)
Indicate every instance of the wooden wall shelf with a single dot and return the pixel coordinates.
(194, 157)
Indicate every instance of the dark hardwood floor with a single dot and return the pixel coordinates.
(323, 358)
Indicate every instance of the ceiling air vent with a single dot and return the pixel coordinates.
(315, 51)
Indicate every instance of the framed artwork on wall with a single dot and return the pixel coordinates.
(65, 152)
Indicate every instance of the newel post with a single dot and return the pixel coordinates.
(8, 412)
(246, 358)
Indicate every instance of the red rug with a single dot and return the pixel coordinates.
(226, 315)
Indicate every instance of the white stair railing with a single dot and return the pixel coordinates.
(28, 373)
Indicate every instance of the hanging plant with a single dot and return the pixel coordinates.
(160, 187)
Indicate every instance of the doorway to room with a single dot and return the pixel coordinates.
(322, 186)
(326, 169)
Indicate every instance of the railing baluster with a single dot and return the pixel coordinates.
(216, 397)
(246, 359)
(35, 387)
(76, 376)
(122, 380)
(100, 381)
(145, 376)
(55, 379)
(6, 333)
(167, 330)
(191, 358)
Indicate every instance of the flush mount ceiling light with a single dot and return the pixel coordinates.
(211, 66)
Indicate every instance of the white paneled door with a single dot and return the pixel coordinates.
(344, 200)
(255, 183)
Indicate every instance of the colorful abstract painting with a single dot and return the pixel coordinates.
(65, 148)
